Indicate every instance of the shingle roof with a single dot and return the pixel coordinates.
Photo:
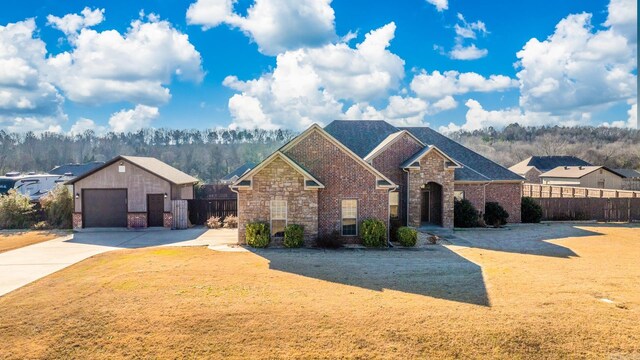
(573, 172)
(628, 173)
(75, 169)
(239, 171)
(150, 164)
(546, 163)
(362, 136)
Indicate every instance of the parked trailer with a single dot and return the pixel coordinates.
(33, 186)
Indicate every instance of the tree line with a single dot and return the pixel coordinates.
(211, 154)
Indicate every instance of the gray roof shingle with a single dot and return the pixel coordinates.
(546, 163)
(362, 136)
(239, 171)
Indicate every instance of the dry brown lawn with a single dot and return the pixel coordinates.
(14, 239)
(446, 302)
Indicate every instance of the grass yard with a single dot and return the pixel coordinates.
(14, 239)
(580, 298)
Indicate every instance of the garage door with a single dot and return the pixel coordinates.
(104, 208)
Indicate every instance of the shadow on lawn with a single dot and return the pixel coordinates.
(527, 239)
(133, 239)
(437, 272)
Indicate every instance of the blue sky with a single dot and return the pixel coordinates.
(267, 63)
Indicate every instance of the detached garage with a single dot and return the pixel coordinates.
(129, 191)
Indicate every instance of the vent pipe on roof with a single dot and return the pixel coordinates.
(566, 168)
(581, 167)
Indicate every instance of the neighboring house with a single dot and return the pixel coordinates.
(73, 170)
(531, 167)
(583, 176)
(333, 178)
(231, 177)
(631, 179)
(129, 191)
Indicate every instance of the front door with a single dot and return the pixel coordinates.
(426, 201)
(155, 209)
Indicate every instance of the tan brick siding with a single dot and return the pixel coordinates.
(279, 181)
(431, 170)
(388, 163)
(344, 178)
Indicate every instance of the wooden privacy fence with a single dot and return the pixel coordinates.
(202, 209)
(558, 191)
(600, 209)
(179, 210)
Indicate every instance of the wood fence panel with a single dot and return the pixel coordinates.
(600, 209)
(200, 210)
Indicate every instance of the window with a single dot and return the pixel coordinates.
(458, 195)
(394, 201)
(278, 217)
(350, 217)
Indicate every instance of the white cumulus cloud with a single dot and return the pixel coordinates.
(437, 85)
(71, 24)
(275, 25)
(440, 5)
(134, 119)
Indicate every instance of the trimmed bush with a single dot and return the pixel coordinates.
(374, 233)
(214, 222)
(407, 236)
(16, 211)
(531, 211)
(465, 214)
(258, 234)
(495, 215)
(58, 207)
(330, 241)
(231, 222)
(293, 236)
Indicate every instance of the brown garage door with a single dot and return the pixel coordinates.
(104, 207)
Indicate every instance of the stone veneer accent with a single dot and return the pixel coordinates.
(343, 178)
(388, 163)
(136, 220)
(431, 170)
(279, 181)
(167, 220)
(509, 195)
(76, 220)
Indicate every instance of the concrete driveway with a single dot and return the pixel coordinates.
(22, 266)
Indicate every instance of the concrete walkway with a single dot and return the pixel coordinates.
(21, 266)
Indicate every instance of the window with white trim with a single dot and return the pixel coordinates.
(349, 217)
(394, 204)
(278, 217)
(458, 195)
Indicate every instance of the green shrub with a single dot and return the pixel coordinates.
(495, 215)
(465, 214)
(231, 222)
(293, 236)
(258, 234)
(374, 233)
(16, 211)
(214, 222)
(330, 241)
(531, 211)
(58, 207)
(407, 236)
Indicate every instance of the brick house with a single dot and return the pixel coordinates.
(330, 179)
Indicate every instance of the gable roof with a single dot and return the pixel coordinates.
(280, 155)
(546, 163)
(239, 171)
(382, 180)
(628, 173)
(360, 136)
(75, 169)
(150, 164)
(388, 141)
(425, 151)
(574, 172)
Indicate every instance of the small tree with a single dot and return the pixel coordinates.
(531, 210)
(58, 207)
(465, 214)
(495, 215)
(16, 211)
(374, 233)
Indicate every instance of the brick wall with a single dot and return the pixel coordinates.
(431, 170)
(167, 220)
(509, 196)
(474, 193)
(388, 163)
(343, 178)
(278, 181)
(137, 220)
(76, 219)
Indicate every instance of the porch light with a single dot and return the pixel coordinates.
(165, 195)
(77, 196)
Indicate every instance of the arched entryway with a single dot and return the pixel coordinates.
(431, 209)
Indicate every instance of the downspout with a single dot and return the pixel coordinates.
(237, 205)
(406, 217)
